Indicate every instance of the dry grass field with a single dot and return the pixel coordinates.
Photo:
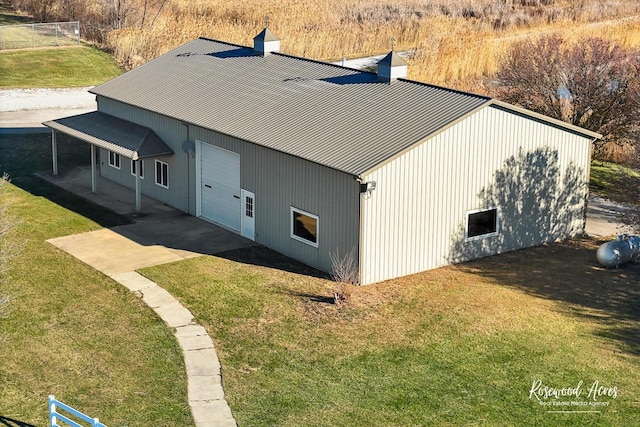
(456, 43)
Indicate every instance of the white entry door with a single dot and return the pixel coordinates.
(220, 186)
(248, 228)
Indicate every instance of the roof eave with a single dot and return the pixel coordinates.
(130, 154)
(559, 123)
(133, 154)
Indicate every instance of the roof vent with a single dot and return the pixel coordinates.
(266, 42)
(392, 67)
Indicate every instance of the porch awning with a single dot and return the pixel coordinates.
(111, 133)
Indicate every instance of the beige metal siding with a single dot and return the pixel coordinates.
(415, 219)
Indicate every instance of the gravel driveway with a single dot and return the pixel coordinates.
(28, 108)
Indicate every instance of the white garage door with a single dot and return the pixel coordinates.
(220, 186)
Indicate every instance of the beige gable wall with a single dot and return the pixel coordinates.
(415, 219)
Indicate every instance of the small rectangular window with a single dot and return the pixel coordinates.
(114, 160)
(304, 227)
(481, 223)
(134, 167)
(162, 174)
(248, 206)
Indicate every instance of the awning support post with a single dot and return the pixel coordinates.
(54, 150)
(138, 170)
(93, 169)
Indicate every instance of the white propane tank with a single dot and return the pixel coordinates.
(624, 249)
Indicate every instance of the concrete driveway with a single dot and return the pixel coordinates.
(604, 218)
(148, 243)
(158, 235)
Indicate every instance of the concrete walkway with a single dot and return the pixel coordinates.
(159, 235)
(117, 256)
(206, 397)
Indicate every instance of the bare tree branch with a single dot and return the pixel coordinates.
(593, 84)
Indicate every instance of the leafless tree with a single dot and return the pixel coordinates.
(149, 6)
(40, 10)
(593, 84)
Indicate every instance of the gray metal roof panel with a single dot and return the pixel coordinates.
(335, 116)
(114, 134)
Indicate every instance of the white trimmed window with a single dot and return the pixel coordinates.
(482, 223)
(162, 174)
(304, 227)
(114, 160)
(134, 168)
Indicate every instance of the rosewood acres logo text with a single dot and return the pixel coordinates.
(589, 398)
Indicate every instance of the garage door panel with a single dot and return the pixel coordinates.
(220, 186)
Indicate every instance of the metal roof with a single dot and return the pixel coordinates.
(111, 133)
(335, 116)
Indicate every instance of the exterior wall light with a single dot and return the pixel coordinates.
(367, 187)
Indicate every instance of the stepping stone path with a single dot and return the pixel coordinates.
(206, 397)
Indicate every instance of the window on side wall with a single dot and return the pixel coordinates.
(304, 227)
(482, 223)
(134, 168)
(162, 174)
(114, 160)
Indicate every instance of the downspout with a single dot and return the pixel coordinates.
(188, 171)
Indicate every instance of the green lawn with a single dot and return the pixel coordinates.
(69, 330)
(454, 346)
(56, 67)
(614, 182)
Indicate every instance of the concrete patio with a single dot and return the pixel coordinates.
(157, 234)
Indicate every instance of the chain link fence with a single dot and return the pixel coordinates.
(39, 35)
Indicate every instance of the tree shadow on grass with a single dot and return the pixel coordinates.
(262, 256)
(568, 273)
(539, 205)
(10, 422)
(22, 155)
